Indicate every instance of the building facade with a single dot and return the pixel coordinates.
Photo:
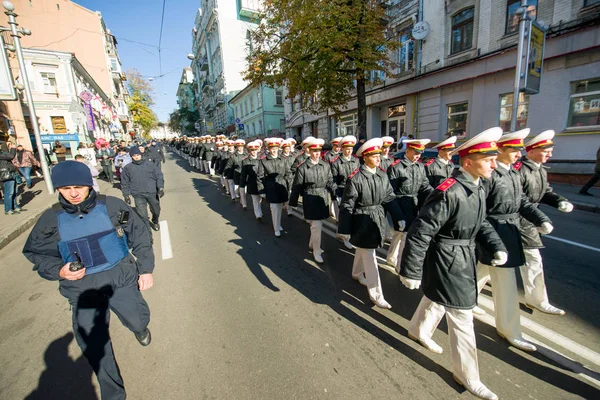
(259, 112)
(219, 41)
(459, 79)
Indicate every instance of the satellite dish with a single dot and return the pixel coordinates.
(420, 30)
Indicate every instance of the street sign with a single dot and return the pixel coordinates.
(7, 86)
(241, 127)
(75, 107)
(237, 120)
(534, 58)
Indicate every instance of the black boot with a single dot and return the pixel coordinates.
(144, 338)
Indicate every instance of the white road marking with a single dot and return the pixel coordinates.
(165, 241)
(583, 246)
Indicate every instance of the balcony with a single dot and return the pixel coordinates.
(208, 105)
(118, 77)
(220, 99)
(249, 9)
(203, 62)
(206, 86)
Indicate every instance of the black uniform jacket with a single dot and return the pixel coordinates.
(313, 182)
(437, 171)
(386, 162)
(234, 167)
(156, 154)
(440, 244)
(274, 179)
(300, 158)
(41, 247)
(330, 156)
(289, 159)
(506, 204)
(341, 170)
(216, 161)
(141, 178)
(537, 190)
(209, 151)
(411, 187)
(249, 175)
(365, 200)
(224, 160)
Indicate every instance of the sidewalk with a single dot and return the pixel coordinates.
(35, 200)
(583, 203)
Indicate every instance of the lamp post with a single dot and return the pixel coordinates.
(10, 8)
(523, 18)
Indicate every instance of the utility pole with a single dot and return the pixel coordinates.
(523, 27)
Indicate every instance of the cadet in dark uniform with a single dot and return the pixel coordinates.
(366, 198)
(303, 155)
(336, 150)
(537, 190)
(341, 168)
(386, 161)
(314, 182)
(274, 181)
(144, 181)
(411, 187)
(249, 177)
(111, 278)
(209, 152)
(505, 203)
(286, 153)
(440, 250)
(233, 169)
(227, 174)
(440, 168)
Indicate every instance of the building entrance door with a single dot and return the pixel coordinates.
(396, 127)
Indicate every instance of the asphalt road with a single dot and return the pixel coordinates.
(240, 314)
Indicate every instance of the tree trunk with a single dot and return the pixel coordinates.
(361, 98)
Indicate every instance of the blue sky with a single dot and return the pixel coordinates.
(139, 20)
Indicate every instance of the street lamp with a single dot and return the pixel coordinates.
(191, 56)
(10, 8)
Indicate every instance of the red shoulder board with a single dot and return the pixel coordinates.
(396, 162)
(301, 163)
(517, 166)
(355, 156)
(263, 157)
(382, 169)
(353, 173)
(447, 184)
(245, 158)
(428, 163)
(336, 157)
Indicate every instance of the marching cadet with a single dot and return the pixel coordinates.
(411, 187)
(313, 181)
(216, 160)
(537, 190)
(505, 203)
(209, 153)
(386, 160)
(440, 168)
(335, 151)
(227, 149)
(286, 149)
(274, 181)
(440, 251)
(234, 167)
(367, 196)
(293, 143)
(303, 154)
(248, 179)
(341, 167)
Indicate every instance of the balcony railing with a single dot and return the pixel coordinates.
(249, 8)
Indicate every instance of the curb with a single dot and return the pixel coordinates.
(587, 207)
(28, 223)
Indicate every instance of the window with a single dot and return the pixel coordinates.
(279, 97)
(252, 103)
(258, 99)
(58, 124)
(462, 30)
(49, 81)
(244, 107)
(114, 64)
(587, 3)
(506, 107)
(457, 119)
(512, 19)
(584, 105)
(260, 127)
(293, 105)
(406, 50)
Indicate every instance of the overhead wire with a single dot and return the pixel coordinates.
(162, 21)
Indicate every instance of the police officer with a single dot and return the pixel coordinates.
(249, 179)
(505, 203)
(156, 153)
(536, 188)
(144, 181)
(341, 167)
(407, 176)
(108, 277)
(440, 168)
(314, 182)
(366, 198)
(440, 251)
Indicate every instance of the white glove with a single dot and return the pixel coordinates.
(500, 258)
(546, 228)
(338, 199)
(345, 238)
(565, 206)
(410, 283)
(264, 196)
(401, 225)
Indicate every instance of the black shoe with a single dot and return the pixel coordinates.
(585, 193)
(144, 338)
(155, 226)
(259, 219)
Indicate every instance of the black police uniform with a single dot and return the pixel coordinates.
(143, 180)
(156, 154)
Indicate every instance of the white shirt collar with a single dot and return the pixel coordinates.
(371, 170)
(443, 161)
(505, 166)
(469, 176)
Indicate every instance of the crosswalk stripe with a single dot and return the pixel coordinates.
(165, 241)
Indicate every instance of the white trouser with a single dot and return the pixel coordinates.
(287, 208)
(201, 165)
(256, 204)
(232, 188)
(335, 210)
(365, 261)
(208, 169)
(460, 329)
(506, 298)
(276, 211)
(389, 230)
(315, 236)
(223, 181)
(395, 250)
(534, 284)
(242, 194)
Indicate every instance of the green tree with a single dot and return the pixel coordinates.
(140, 102)
(183, 120)
(175, 121)
(322, 50)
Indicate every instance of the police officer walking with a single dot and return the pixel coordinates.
(156, 153)
(84, 242)
(144, 181)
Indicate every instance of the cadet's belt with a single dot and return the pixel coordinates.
(505, 217)
(455, 242)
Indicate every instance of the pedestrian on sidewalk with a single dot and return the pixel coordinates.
(96, 276)
(24, 161)
(121, 160)
(106, 155)
(143, 180)
(594, 179)
(7, 177)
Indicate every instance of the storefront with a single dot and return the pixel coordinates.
(69, 141)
